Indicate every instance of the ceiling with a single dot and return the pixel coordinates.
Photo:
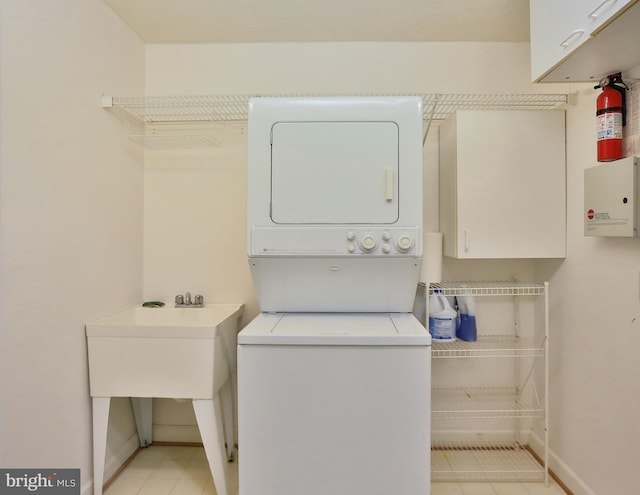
(253, 21)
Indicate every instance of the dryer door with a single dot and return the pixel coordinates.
(334, 173)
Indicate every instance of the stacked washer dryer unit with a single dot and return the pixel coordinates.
(334, 374)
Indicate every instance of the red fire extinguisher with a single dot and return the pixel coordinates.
(611, 113)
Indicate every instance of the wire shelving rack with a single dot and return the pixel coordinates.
(155, 121)
(500, 460)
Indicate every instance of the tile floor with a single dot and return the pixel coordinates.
(170, 470)
(175, 470)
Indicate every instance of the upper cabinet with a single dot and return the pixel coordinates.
(583, 40)
(502, 184)
(556, 30)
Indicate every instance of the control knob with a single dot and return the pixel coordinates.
(367, 242)
(404, 243)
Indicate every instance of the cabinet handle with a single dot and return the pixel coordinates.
(467, 240)
(596, 12)
(569, 39)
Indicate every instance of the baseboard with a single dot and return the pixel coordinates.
(564, 473)
(176, 433)
(114, 463)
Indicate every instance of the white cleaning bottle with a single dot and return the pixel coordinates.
(442, 319)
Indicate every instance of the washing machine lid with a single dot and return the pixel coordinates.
(370, 329)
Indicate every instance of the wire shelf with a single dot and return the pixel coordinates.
(211, 109)
(469, 462)
(446, 104)
(487, 288)
(487, 346)
(188, 109)
(220, 108)
(482, 403)
(498, 460)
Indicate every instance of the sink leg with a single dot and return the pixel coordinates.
(227, 411)
(209, 417)
(143, 413)
(100, 424)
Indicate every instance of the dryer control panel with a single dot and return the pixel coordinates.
(324, 241)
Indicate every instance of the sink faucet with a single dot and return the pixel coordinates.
(186, 302)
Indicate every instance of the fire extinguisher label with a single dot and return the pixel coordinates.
(609, 126)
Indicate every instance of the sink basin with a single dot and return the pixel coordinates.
(163, 352)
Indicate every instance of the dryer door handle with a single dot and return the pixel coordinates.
(388, 184)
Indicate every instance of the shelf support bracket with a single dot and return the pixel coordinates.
(107, 101)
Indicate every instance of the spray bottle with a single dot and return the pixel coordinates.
(466, 328)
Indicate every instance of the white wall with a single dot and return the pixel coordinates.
(70, 220)
(195, 202)
(594, 292)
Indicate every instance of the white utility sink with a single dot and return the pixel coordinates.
(163, 352)
(182, 353)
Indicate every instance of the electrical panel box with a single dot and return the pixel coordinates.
(611, 199)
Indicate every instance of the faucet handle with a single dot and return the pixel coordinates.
(179, 299)
(199, 299)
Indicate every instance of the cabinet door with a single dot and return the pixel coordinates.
(502, 189)
(557, 29)
(602, 11)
